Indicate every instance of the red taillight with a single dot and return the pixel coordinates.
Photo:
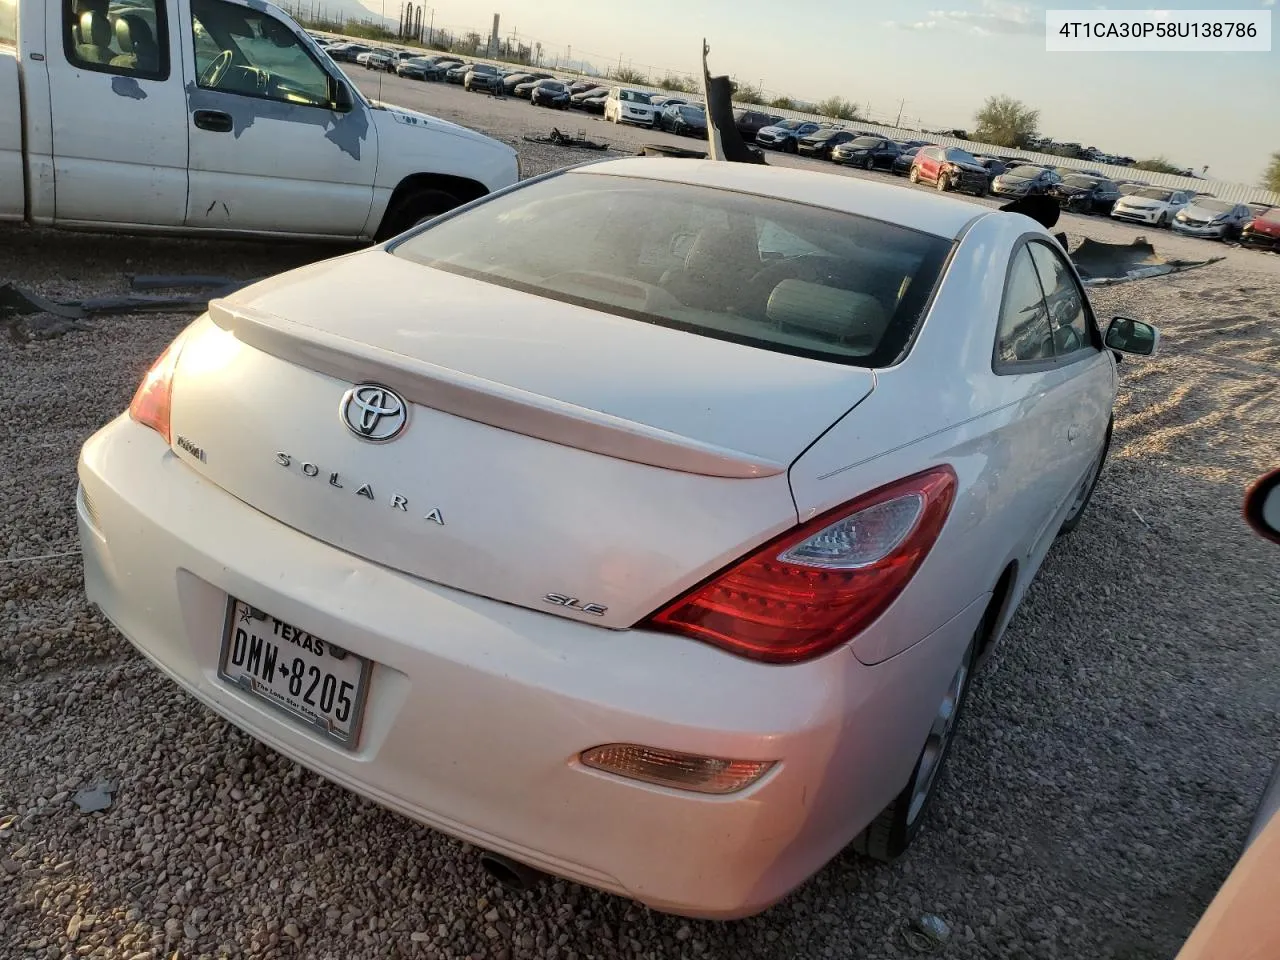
(150, 404)
(823, 583)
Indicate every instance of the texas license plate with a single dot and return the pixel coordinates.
(316, 682)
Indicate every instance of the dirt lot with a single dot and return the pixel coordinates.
(1103, 782)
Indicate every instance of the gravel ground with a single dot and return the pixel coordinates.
(1103, 781)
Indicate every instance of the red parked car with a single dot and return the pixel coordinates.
(1263, 230)
(949, 168)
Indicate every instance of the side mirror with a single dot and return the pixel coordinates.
(340, 98)
(1132, 336)
(1262, 506)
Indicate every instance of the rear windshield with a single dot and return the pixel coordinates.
(769, 273)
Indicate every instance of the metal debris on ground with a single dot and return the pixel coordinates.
(558, 139)
(94, 798)
(1102, 264)
(16, 304)
(926, 934)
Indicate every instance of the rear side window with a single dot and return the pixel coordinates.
(128, 39)
(1064, 301)
(768, 273)
(1024, 335)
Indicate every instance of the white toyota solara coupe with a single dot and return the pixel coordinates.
(641, 524)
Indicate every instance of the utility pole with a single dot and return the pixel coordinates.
(431, 29)
(901, 103)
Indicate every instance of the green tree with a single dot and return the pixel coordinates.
(1158, 165)
(628, 75)
(783, 103)
(677, 84)
(1271, 179)
(1006, 122)
(839, 109)
(746, 93)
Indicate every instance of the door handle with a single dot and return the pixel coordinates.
(215, 121)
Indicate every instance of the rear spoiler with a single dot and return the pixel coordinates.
(484, 401)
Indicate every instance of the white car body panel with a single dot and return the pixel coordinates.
(107, 151)
(13, 201)
(511, 696)
(119, 150)
(452, 613)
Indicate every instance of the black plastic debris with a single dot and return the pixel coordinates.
(94, 798)
(558, 139)
(17, 304)
(1108, 263)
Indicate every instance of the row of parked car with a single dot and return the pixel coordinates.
(1079, 191)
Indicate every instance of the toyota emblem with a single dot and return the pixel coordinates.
(373, 412)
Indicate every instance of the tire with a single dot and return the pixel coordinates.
(870, 164)
(1163, 222)
(914, 175)
(887, 836)
(793, 147)
(941, 183)
(1088, 485)
(413, 208)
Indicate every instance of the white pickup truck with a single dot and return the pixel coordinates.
(213, 117)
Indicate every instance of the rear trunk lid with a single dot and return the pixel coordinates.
(550, 451)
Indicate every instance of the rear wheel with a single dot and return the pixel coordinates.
(412, 209)
(889, 834)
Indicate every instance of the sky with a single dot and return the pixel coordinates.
(1219, 109)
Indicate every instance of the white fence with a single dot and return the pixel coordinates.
(1223, 190)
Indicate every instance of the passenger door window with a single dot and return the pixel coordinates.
(126, 39)
(1065, 301)
(1023, 334)
(247, 52)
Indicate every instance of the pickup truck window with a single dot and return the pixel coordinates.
(243, 51)
(9, 21)
(129, 39)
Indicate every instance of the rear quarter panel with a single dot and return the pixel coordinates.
(943, 404)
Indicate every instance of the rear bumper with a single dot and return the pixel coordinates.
(477, 710)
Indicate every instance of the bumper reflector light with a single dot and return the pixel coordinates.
(682, 771)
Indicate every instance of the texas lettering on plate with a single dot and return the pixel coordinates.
(318, 683)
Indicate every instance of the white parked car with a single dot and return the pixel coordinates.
(1154, 205)
(668, 573)
(629, 106)
(1212, 218)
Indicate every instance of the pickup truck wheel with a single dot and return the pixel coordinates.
(412, 209)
